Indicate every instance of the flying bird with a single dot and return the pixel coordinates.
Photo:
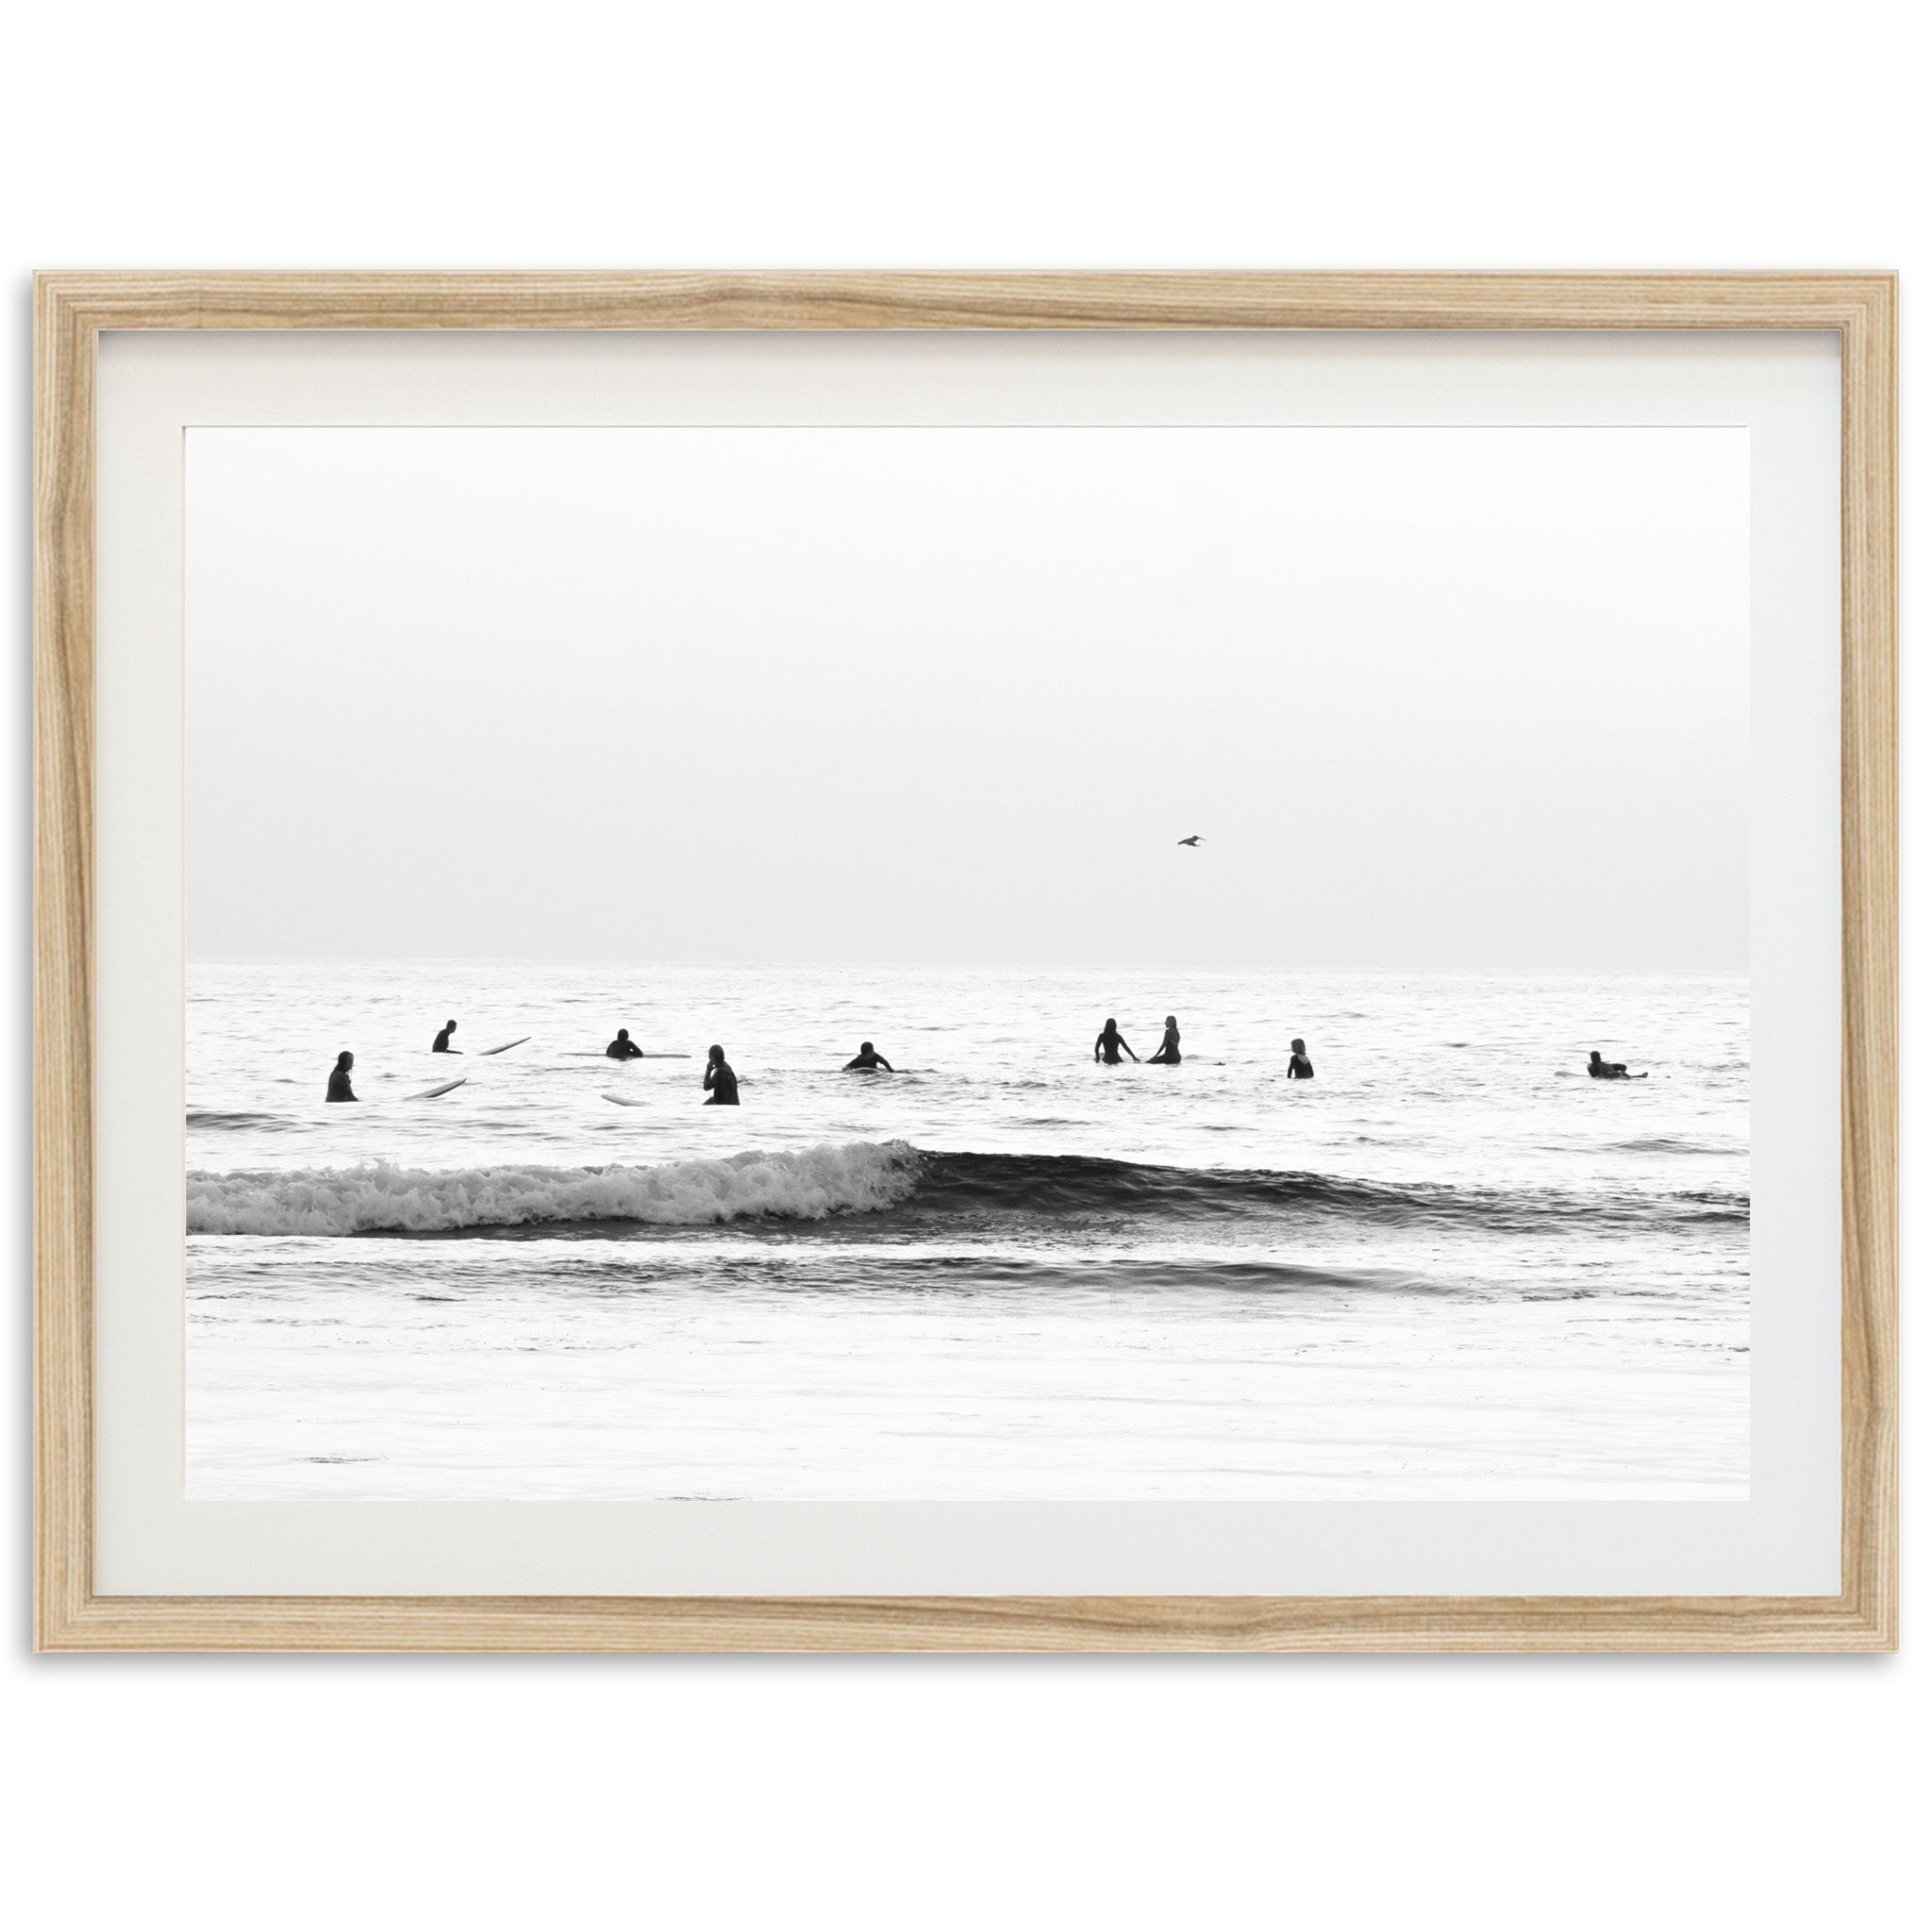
(1192, 839)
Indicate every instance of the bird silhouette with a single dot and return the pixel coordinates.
(1194, 839)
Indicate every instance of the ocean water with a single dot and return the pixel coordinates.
(1450, 1266)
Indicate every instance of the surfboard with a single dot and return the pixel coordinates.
(430, 1092)
(504, 1048)
(584, 1053)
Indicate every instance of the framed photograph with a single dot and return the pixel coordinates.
(966, 962)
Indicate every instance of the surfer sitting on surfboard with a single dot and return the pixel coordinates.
(720, 1083)
(1300, 1067)
(1109, 1047)
(624, 1047)
(443, 1044)
(1169, 1052)
(866, 1062)
(339, 1088)
(1601, 1068)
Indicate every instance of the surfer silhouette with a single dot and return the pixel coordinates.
(1109, 1047)
(1601, 1068)
(1300, 1067)
(443, 1044)
(1169, 1053)
(720, 1083)
(339, 1088)
(866, 1062)
(624, 1047)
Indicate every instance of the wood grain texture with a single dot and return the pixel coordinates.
(964, 1623)
(72, 310)
(858, 301)
(1869, 1082)
(63, 961)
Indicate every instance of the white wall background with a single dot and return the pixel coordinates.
(1348, 1792)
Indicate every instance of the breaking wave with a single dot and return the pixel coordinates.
(869, 1177)
(384, 1199)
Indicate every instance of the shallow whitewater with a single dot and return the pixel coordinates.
(1449, 1266)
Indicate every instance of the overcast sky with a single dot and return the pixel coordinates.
(1431, 697)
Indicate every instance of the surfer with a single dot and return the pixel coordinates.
(1109, 1047)
(720, 1083)
(1300, 1067)
(339, 1088)
(867, 1061)
(1601, 1068)
(1169, 1054)
(443, 1044)
(624, 1047)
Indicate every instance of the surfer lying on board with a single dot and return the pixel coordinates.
(1300, 1067)
(1601, 1068)
(720, 1083)
(443, 1044)
(624, 1047)
(1169, 1050)
(1109, 1047)
(339, 1088)
(866, 1062)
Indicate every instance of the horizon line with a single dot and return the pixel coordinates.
(563, 959)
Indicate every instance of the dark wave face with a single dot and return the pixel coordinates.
(1071, 1186)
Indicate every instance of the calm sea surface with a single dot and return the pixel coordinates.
(1451, 1265)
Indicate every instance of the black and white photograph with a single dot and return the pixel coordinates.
(968, 963)
(968, 976)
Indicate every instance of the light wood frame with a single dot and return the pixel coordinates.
(71, 310)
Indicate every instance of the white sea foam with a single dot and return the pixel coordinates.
(382, 1198)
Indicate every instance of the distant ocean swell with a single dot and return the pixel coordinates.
(870, 1177)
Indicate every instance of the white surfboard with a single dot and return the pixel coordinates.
(431, 1092)
(504, 1048)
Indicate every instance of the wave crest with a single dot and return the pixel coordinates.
(386, 1199)
(943, 1191)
